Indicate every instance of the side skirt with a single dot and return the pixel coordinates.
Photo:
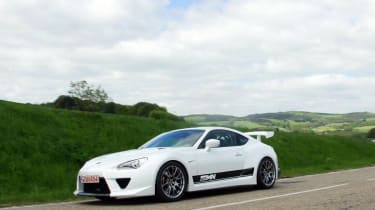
(204, 178)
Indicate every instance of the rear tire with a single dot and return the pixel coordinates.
(266, 175)
(171, 182)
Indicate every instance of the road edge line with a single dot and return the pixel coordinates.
(271, 197)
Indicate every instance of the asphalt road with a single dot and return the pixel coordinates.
(349, 189)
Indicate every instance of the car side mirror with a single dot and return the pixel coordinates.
(212, 143)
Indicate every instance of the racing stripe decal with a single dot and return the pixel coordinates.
(222, 175)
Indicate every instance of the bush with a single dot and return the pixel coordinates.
(371, 133)
(65, 102)
(161, 114)
(144, 109)
(89, 106)
(109, 108)
(122, 109)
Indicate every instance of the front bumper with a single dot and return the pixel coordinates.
(117, 183)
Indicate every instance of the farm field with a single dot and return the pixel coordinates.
(320, 123)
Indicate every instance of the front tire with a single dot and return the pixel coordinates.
(171, 182)
(266, 175)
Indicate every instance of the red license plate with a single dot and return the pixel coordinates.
(89, 179)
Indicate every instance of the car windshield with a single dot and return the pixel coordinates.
(180, 138)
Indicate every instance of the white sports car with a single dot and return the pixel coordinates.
(181, 161)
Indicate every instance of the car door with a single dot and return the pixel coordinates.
(222, 162)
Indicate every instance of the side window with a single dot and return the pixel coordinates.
(241, 140)
(226, 138)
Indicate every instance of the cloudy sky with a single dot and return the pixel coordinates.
(227, 57)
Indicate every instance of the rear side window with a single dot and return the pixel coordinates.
(226, 138)
(241, 140)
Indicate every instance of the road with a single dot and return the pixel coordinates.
(349, 189)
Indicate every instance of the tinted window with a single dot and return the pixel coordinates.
(241, 140)
(226, 138)
(181, 138)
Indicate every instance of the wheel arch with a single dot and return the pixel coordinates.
(256, 153)
(267, 152)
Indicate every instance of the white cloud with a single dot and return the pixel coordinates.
(229, 57)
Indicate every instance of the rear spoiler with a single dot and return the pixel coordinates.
(259, 134)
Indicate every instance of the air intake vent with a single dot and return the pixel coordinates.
(123, 183)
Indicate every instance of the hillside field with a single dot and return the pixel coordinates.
(42, 149)
(357, 123)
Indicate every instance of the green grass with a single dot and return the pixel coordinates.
(42, 149)
(307, 153)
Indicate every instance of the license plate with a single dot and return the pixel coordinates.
(89, 179)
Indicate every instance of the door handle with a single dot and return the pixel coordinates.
(238, 155)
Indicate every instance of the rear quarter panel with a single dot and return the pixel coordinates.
(255, 151)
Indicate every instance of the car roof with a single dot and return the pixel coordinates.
(209, 128)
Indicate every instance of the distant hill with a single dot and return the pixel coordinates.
(358, 122)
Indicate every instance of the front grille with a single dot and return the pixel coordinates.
(96, 188)
(123, 183)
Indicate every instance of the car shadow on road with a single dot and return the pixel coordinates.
(188, 196)
(120, 202)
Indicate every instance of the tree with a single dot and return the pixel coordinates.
(84, 91)
(371, 133)
(109, 108)
(161, 114)
(66, 102)
(144, 109)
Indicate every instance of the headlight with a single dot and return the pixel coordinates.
(132, 163)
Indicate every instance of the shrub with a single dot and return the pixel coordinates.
(144, 109)
(65, 102)
(109, 108)
(371, 133)
(161, 114)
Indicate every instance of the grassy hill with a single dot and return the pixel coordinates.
(42, 149)
(360, 122)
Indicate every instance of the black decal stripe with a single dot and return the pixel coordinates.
(224, 175)
(247, 172)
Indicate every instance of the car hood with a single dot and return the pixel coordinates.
(114, 159)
